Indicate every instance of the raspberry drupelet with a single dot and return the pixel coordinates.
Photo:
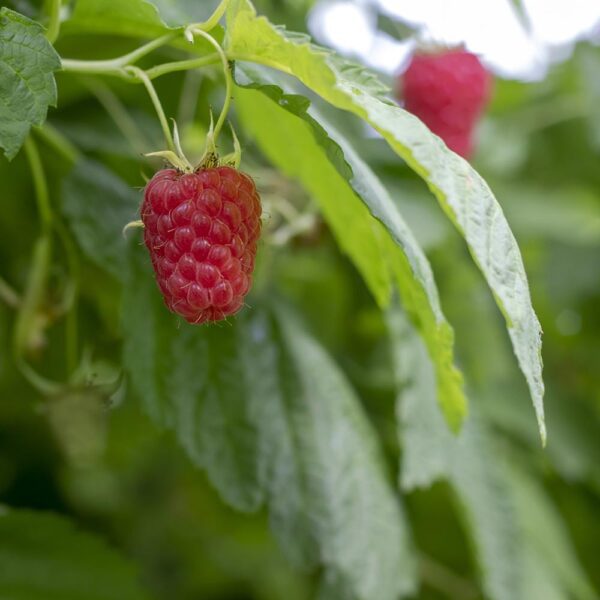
(201, 230)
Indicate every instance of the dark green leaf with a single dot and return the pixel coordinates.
(27, 65)
(98, 206)
(44, 557)
(264, 410)
(193, 379)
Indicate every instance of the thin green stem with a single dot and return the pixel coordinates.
(115, 108)
(54, 22)
(214, 19)
(182, 65)
(29, 321)
(115, 66)
(441, 578)
(141, 75)
(58, 141)
(228, 78)
(44, 386)
(94, 67)
(8, 295)
(190, 91)
(39, 183)
(71, 333)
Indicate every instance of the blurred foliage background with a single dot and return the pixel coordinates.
(116, 474)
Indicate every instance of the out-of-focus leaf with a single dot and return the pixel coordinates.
(27, 65)
(134, 17)
(92, 131)
(546, 542)
(183, 12)
(588, 61)
(98, 205)
(468, 462)
(264, 410)
(352, 510)
(347, 192)
(147, 18)
(193, 379)
(568, 215)
(462, 193)
(43, 557)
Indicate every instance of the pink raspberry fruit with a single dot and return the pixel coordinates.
(448, 91)
(201, 230)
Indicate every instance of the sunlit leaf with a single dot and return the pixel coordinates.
(350, 195)
(462, 193)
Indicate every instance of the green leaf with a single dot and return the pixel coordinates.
(462, 193)
(339, 470)
(194, 380)
(137, 18)
(430, 453)
(183, 12)
(262, 408)
(98, 205)
(547, 544)
(569, 215)
(350, 195)
(27, 65)
(44, 557)
(134, 18)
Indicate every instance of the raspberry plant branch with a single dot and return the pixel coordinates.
(190, 32)
(214, 19)
(29, 322)
(143, 77)
(116, 66)
(39, 182)
(182, 65)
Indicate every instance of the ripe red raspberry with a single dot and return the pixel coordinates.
(448, 91)
(201, 230)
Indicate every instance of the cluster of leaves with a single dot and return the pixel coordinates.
(273, 412)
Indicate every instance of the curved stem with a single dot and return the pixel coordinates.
(54, 22)
(115, 108)
(182, 65)
(214, 19)
(58, 141)
(228, 79)
(8, 295)
(39, 183)
(115, 66)
(71, 335)
(141, 75)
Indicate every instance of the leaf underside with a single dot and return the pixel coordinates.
(365, 221)
(461, 192)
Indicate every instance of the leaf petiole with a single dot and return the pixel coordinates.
(116, 66)
(214, 19)
(190, 32)
(141, 75)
